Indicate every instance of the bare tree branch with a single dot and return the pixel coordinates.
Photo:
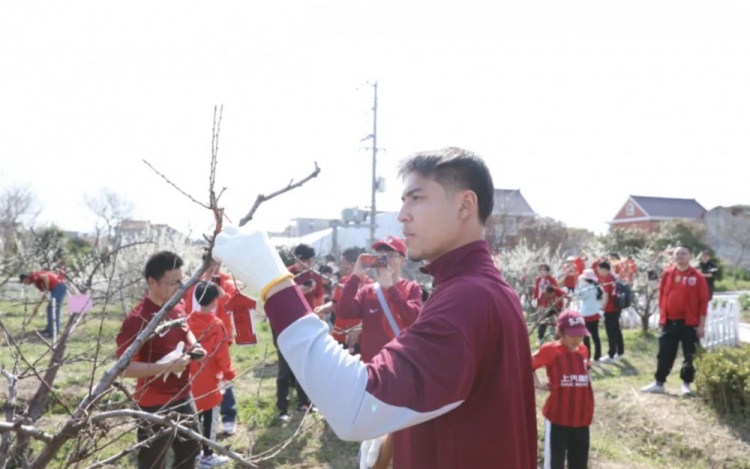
(176, 187)
(25, 430)
(263, 198)
(168, 422)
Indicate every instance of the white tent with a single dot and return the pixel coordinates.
(347, 235)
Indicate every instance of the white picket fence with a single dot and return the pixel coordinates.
(722, 323)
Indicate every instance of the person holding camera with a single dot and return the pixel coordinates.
(387, 312)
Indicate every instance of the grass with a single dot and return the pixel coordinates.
(630, 429)
(729, 284)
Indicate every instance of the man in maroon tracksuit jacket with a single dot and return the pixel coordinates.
(455, 389)
(683, 305)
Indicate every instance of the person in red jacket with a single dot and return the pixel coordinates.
(580, 263)
(569, 409)
(569, 275)
(442, 386)
(51, 285)
(163, 383)
(227, 288)
(683, 306)
(543, 279)
(207, 375)
(402, 296)
(346, 331)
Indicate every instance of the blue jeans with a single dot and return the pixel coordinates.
(58, 295)
(228, 405)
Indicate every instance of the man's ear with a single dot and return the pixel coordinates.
(469, 205)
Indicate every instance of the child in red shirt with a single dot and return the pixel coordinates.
(208, 373)
(569, 409)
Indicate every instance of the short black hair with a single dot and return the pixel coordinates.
(614, 255)
(549, 289)
(545, 267)
(304, 252)
(455, 169)
(206, 292)
(352, 254)
(605, 265)
(325, 269)
(23, 277)
(158, 264)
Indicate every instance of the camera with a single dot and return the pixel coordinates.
(308, 283)
(375, 262)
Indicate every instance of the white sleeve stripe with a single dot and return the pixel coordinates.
(336, 383)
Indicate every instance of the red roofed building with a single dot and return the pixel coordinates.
(647, 213)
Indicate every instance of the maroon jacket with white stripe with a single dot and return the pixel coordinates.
(455, 388)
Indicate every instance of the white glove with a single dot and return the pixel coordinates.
(369, 451)
(251, 257)
(171, 356)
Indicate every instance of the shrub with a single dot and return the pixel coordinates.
(723, 380)
(744, 301)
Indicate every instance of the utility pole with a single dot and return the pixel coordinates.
(374, 136)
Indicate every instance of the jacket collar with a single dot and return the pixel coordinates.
(458, 261)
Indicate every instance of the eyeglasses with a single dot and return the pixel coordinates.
(172, 283)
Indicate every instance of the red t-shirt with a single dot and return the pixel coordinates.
(571, 399)
(210, 332)
(580, 265)
(607, 283)
(154, 390)
(556, 299)
(37, 278)
(340, 325)
(541, 282)
(571, 277)
(315, 297)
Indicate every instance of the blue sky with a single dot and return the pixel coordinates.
(577, 103)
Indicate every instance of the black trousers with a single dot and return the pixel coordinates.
(563, 443)
(209, 420)
(593, 328)
(154, 456)
(672, 334)
(284, 381)
(614, 334)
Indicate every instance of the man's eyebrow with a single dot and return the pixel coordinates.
(412, 192)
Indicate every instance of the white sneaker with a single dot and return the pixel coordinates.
(619, 357)
(654, 388)
(606, 359)
(685, 389)
(228, 428)
(284, 417)
(213, 460)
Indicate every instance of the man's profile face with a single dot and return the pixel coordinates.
(429, 217)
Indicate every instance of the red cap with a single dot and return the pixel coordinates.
(393, 242)
(572, 323)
